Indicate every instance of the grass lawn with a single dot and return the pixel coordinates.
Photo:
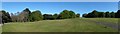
(0, 29)
(107, 20)
(65, 25)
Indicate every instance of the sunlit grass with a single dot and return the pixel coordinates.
(64, 25)
(0, 28)
(107, 20)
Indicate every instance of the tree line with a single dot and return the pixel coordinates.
(97, 14)
(27, 16)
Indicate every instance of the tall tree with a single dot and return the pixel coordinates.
(8, 16)
(36, 16)
(5, 17)
(64, 14)
(107, 14)
(55, 16)
(84, 15)
(117, 15)
(90, 15)
(25, 14)
(112, 14)
(48, 17)
(13, 17)
(101, 14)
(77, 15)
(95, 13)
(72, 14)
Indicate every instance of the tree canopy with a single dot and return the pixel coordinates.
(26, 15)
(97, 14)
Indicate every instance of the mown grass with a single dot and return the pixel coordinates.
(65, 25)
(107, 20)
(0, 29)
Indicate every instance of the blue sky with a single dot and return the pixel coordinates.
(60, 0)
(0, 5)
(57, 7)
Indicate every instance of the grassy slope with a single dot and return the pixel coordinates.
(0, 29)
(66, 25)
(107, 20)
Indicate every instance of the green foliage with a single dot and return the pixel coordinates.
(27, 11)
(5, 17)
(48, 17)
(78, 15)
(101, 14)
(117, 15)
(107, 14)
(64, 14)
(96, 14)
(90, 15)
(84, 15)
(72, 14)
(31, 17)
(67, 14)
(93, 14)
(112, 14)
(36, 16)
(26, 15)
(55, 16)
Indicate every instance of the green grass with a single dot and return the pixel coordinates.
(65, 25)
(107, 20)
(0, 29)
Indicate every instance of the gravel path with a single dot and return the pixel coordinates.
(115, 26)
